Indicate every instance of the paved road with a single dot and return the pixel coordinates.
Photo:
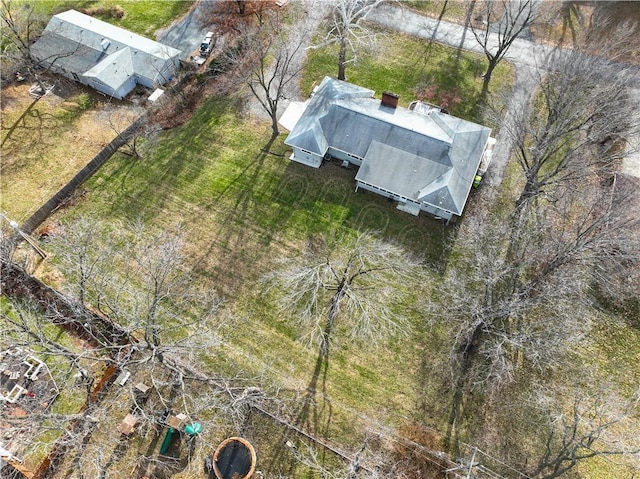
(397, 18)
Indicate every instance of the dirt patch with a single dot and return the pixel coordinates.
(111, 11)
(45, 142)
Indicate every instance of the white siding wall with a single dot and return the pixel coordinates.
(101, 87)
(306, 158)
(126, 87)
(437, 212)
(148, 82)
(407, 205)
(161, 77)
(341, 155)
(378, 191)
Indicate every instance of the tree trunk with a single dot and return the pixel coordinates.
(467, 22)
(468, 353)
(274, 124)
(486, 78)
(442, 12)
(528, 192)
(342, 60)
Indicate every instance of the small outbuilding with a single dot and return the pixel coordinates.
(107, 58)
(128, 424)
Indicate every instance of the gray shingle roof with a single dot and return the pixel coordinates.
(87, 46)
(65, 52)
(430, 158)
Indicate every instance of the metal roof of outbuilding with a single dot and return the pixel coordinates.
(90, 47)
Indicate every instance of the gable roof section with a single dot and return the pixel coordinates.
(65, 52)
(380, 168)
(114, 70)
(431, 158)
(81, 44)
(353, 131)
(307, 133)
(91, 31)
(438, 193)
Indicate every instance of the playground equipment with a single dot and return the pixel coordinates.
(234, 458)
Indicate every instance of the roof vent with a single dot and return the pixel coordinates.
(105, 43)
(389, 99)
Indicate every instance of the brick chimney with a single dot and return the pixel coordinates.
(389, 99)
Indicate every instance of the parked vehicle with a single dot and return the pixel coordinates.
(207, 44)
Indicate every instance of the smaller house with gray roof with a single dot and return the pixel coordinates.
(423, 158)
(105, 57)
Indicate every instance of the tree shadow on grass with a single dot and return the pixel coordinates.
(313, 417)
(117, 453)
(148, 185)
(315, 412)
(255, 206)
(236, 234)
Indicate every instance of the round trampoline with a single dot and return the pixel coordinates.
(235, 458)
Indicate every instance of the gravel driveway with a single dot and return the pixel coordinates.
(186, 33)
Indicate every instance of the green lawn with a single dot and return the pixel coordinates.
(435, 68)
(243, 209)
(455, 10)
(140, 16)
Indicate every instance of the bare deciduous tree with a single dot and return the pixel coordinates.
(354, 279)
(20, 25)
(502, 21)
(348, 30)
(584, 429)
(139, 282)
(525, 299)
(579, 120)
(267, 57)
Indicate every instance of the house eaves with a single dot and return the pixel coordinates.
(92, 32)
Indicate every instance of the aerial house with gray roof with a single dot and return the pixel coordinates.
(423, 158)
(105, 57)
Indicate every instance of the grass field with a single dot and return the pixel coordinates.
(243, 208)
(56, 134)
(140, 16)
(389, 67)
